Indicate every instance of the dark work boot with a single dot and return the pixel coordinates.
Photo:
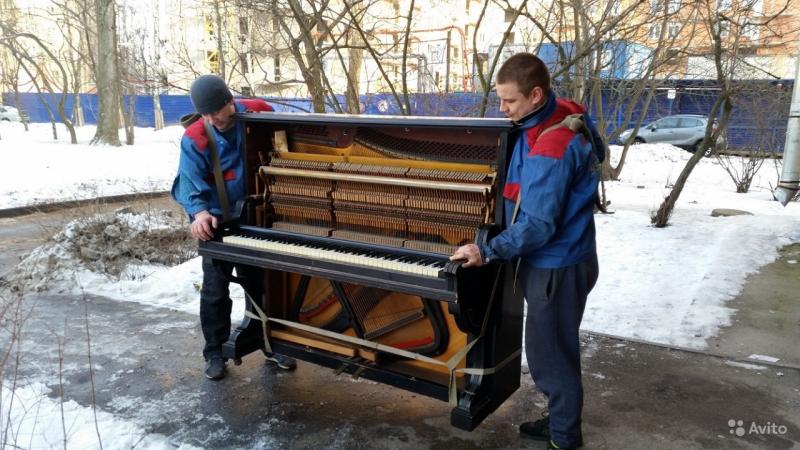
(282, 361)
(215, 368)
(538, 430)
(553, 446)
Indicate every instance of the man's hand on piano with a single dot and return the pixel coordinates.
(470, 254)
(203, 226)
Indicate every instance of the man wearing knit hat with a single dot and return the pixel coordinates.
(195, 189)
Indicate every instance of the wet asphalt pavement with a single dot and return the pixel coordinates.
(148, 369)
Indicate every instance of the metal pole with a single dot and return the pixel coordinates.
(790, 178)
(447, 66)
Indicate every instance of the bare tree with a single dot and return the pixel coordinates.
(38, 72)
(486, 77)
(726, 30)
(772, 102)
(107, 74)
(75, 20)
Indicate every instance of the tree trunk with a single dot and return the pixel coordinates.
(661, 217)
(313, 77)
(354, 62)
(107, 74)
(157, 112)
(77, 111)
(128, 118)
(220, 43)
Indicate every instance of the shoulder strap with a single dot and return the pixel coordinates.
(220, 182)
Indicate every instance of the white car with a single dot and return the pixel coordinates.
(9, 114)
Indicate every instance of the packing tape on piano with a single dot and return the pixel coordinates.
(450, 363)
(262, 317)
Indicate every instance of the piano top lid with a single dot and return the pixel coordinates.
(377, 120)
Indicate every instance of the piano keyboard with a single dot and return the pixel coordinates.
(340, 253)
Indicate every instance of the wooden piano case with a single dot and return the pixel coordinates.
(352, 220)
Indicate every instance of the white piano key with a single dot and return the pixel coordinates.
(351, 257)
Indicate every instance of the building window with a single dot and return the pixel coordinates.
(456, 53)
(724, 28)
(243, 63)
(246, 91)
(673, 6)
(655, 31)
(755, 6)
(209, 27)
(655, 6)
(673, 29)
(277, 63)
(615, 9)
(672, 55)
(750, 31)
(606, 58)
(243, 27)
(724, 4)
(510, 39)
(212, 59)
(510, 13)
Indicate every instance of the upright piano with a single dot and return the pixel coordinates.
(351, 220)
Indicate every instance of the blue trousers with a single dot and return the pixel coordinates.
(556, 299)
(215, 301)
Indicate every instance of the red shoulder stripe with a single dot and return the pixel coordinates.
(510, 191)
(254, 104)
(553, 144)
(197, 133)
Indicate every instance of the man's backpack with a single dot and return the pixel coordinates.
(188, 119)
(577, 123)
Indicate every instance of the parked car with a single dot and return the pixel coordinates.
(9, 114)
(683, 130)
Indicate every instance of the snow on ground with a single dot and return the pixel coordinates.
(670, 285)
(664, 285)
(37, 169)
(38, 422)
(667, 285)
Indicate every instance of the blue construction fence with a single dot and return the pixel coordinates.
(758, 120)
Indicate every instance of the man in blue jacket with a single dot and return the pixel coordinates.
(195, 189)
(549, 196)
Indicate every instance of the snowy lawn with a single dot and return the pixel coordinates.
(665, 285)
(37, 169)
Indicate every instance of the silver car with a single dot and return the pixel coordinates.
(683, 130)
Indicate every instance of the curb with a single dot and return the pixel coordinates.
(55, 206)
(782, 365)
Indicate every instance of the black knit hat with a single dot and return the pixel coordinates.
(209, 94)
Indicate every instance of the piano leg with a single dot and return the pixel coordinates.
(485, 393)
(248, 336)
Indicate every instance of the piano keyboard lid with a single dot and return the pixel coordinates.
(367, 119)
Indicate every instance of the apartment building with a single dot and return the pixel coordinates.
(261, 48)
